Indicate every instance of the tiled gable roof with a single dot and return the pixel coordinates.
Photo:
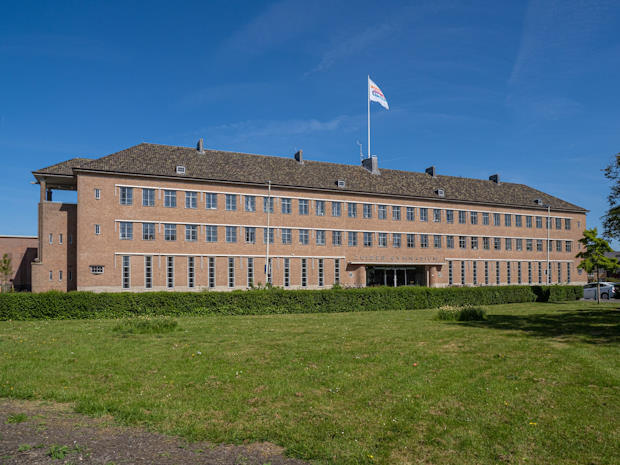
(214, 165)
(64, 168)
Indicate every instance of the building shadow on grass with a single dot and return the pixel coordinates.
(593, 326)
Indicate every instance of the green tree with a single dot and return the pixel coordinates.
(611, 220)
(6, 271)
(593, 256)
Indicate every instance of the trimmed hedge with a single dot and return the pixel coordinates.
(81, 305)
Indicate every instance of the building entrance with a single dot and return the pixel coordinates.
(396, 276)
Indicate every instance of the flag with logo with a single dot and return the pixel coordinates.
(375, 94)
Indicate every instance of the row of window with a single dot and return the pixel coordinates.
(352, 238)
(515, 272)
(233, 279)
(368, 210)
(60, 275)
(60, 238)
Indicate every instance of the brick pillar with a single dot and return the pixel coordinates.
(432, 275)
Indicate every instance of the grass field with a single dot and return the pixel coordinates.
(535, 383)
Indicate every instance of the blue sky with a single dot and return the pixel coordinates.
(526, 89)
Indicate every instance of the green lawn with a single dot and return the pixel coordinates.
(536, 383)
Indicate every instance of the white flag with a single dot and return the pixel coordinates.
(375, 94)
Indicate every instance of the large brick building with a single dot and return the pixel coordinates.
(162, 217)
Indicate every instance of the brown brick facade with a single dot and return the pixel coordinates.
(22, 250)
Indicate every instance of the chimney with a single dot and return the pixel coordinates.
(299, 156)
(371, 164)
(494, 178)
(200, 146)
(430, 170)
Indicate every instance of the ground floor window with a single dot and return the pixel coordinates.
(211, 272)
(250, 272)
(519, 272)
(148, 272)
(539, 272)
(568, 265)
(450, 275)
(508, 276)
(497, 273)
(486, 273)
(559, 272)
(231, 272)
(304, 272)
(475, 272)
(287, 272)
(126, 272)
(191, 272)
(269, 272)
(321, 273)
(463, 272)
(529, 272)
(170, 272)
(337, 271)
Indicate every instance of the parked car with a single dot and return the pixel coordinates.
(608, 290)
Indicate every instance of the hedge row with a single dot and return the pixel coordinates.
(81, 305)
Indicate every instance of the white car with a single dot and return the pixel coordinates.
(608, 290)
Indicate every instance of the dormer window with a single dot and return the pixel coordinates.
(341, 183)
(440, 192)
(180, 169)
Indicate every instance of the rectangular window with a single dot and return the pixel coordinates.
(170, 272)
(559, 272)
(558, 246)
(423, 214)
(126, 196)
(249, 203)
(170, 232)
(508, 273)
(231, 234)
(191, 232)
(352, 236)
(507, 220)
(486, 273)
(352, 210)
(304, 236)
(396, 213)
(497, 243)
(94, 269)
(231, 272)
(303, 206)
(60, 275)
(336, 238)
(321, 272)
(497, 273)
(567, 224)
(519, 244)
(396, 240)
(462, 242)
(287, 272)
(148, 197)
(382, 240)
(474, 243)
(97, 229)
(558, 223)
(436, 215)
(170, 199)
(410, 213)
(529, 246)
(191, 272)
(382, 212)
(148, 272)
(424, 241)
(336, 208)
(568, 277)
(450, 242)
(367, 210)
(211, 272)
(568, 246)
(126, 272)
(269, 272)
(475, 272)
(473, 218)
(251, 272)
(287, 236)
(337, 271)
(529, 272)
(210, 201)
(287, 206)
(486, 243)
(540, 273)
(437, 241)
(450, 274)
(518, 221)
(550, 245)
(410, 241)
(191, 199)
(231, 202)
(268, 205)
(97, 194)
(148, 231)
(462, 217)
(320, 207)
(304, 272)
(60, 238)
(496, 219)
(462, 272)
(320, 237)
(539, 222)
(528, 221)
(539, 245)
(268, 234)
(519, 273)
(485, 218)
(126, 230)
(367, 239)
(250, 235)
(449, 216)
(211, 233)
(508, 244)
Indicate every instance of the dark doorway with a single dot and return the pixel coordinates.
(396, 276)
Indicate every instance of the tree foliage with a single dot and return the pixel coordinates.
(6, 270)
(593, 256)
(611, 220)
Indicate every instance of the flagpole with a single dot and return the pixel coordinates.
(368, 97)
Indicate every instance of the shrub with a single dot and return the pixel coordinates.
(146, 325)
(80, 305)
(465, 313)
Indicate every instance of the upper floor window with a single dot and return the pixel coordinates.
(287, 236)
(474, 243)
(320, 207)
(126, 195)
(320, 237)
(496, 219)
(352, 235)
(462, 217)
(287, 207)
(382, 240)
(507, 220)
(250, 235)
(396, 213)
(210, 201)
(424, 241)
(211, 233)
(423, 214)
(126, 230)
(528, 221)
(231, 234)
(97, 194)
(352, 209)
(148, 231)
(410, 213)
(558, 223)
(367, 210)
(518, 221)
(382, 212)
(336, 208)
(97, 229)
(485, 218)
(539, 222)
(508, 243)
(337, 237)
(462, 242)
(449, 216)
(303, 206)
(170, 199)
(497, 243)
(268, 235)
(473, 217)
(567, 223)
(191, 200)
(268, 204)
(148, 197)
(231, 202)
(250, 203)
(367, 239)
(191, 232)
(450, 242)
(437, 241)
(304, 236)
(410, 241)
(170, 232)
(568, 246)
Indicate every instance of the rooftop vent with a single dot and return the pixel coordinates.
(299, 156)
(180, 169)
(430, 170)
(200, 146)
(371, 164)
(440, 192)
(494, 178)
(341, 183)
